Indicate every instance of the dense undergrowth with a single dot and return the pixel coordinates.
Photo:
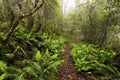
(29, 56)
(33, 34)
(97, 61)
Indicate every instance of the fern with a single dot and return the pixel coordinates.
(38, 56)
(3, 66)
(54, 65)
(21, 77)
(87, 57)
(3, 76)
(39, 63)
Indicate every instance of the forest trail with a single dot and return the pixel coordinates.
(67, 70)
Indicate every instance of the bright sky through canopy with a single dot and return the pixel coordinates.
(69, 5)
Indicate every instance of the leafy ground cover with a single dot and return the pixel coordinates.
(68, 70)
(37, 57)
(95, 61)
(31, 57)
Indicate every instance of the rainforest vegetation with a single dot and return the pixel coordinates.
(39, 41)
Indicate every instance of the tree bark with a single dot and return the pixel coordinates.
(16, 21)
(30, 24)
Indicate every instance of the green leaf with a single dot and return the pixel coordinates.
(3, 76)
(2, 66)
(47, 53)
(54, 56)
(38, 56)
(21, 77)
(53, 65)
(10, 55)
(30, 71)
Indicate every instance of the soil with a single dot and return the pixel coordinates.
(67, 69)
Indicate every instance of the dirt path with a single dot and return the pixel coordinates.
(67, 70)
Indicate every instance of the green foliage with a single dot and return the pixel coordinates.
(35, 44)
(23, 35)
(30, 53)
(2, 36)
(43, 66)
(38, 56)
(54, 42)
(3, 76)
(39, 63)
(89, 58)
(94, 19)
(2, 66)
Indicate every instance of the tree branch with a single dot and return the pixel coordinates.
(16, 21)
(33, 11)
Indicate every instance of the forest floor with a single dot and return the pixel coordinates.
(67, 69)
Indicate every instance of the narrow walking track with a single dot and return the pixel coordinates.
(67, 69)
